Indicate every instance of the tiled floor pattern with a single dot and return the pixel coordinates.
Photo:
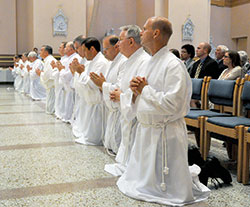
(40, 164)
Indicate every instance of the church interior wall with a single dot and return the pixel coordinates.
(111, 14)
(199, 12)
(240, 26)
(25, 31)
(144, 10)
(7, 27)
(220, 26)
(44, 11)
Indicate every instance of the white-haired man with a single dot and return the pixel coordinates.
(219, 54)
(130, 47)
(37, 91)
(244, 62)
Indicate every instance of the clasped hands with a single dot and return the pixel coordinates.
(75, 66)
(29, 68)
(136, 85)
(97, 79)
(57, 65)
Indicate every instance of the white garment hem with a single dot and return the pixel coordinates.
(115, 169)
(123, 186)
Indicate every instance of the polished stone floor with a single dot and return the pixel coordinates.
(40, 165)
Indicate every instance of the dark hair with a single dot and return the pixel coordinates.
(113, 40)
(64, 44)
(175, 52)
(48, 49)
(190, 49)
(84, 40)
(17, 56)
(93, 42)
(235, 57)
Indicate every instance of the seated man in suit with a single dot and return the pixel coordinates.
(205, 66)
(219, 54)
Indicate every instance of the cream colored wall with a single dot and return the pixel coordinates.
(45, 10)
(89, 10)
(7, 27)
(111, 14)
(161, 7)
(240, 25)
(24, 26)
(144, 10)
(221, 26)
(199, 12)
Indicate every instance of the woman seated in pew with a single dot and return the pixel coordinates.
(233, 71)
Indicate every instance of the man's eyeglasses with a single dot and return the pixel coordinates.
(106, 48)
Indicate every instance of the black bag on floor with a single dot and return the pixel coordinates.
(211, 168)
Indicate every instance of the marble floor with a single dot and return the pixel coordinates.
(40, 164)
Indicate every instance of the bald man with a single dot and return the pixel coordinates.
(207, 66)
(158, 168)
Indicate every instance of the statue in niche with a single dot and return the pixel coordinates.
(110, 32)
(213, 48)
(60, 24)
(188, 30)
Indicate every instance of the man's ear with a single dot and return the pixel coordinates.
(131, 41)
(156, 33)
(116, 46)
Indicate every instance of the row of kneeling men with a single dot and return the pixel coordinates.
(132, 98)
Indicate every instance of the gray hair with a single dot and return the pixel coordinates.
(32, 54)
(223, 48)
(132, 31)
(71, 44)
(243, 56)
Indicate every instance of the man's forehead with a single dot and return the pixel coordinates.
(201, 45)
(106, 40)
(148, 23)
(122, 33)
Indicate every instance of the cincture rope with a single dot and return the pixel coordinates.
(165, 169)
